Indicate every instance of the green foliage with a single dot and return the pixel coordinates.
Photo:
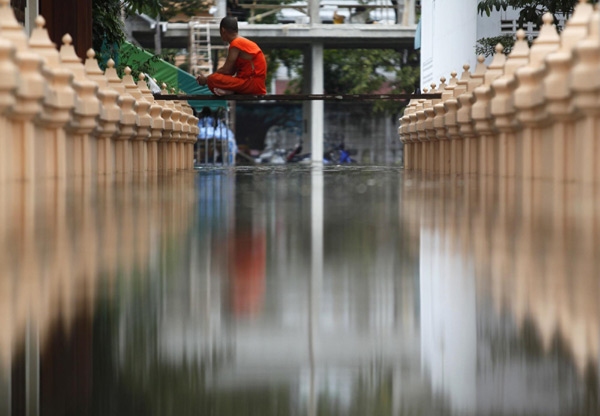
(530, 11)
(107, 27)
(487, 46)
(149, 7)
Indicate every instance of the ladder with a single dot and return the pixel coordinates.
(200, 46)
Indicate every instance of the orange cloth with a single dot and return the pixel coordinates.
(250, 74)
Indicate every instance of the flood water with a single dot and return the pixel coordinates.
(298, 291)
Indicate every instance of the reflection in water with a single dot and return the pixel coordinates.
(267, 291)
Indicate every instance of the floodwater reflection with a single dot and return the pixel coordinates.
(275, 290)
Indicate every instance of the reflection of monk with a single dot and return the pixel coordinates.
(248, 253)
(245, 69)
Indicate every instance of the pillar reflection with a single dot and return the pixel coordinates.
(509, 294)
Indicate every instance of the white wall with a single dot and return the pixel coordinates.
(449, 32)
(448, 35)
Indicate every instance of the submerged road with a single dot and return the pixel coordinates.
(349, 290)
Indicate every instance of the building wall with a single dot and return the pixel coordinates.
(449, 33)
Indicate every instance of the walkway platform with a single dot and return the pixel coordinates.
(273, 36)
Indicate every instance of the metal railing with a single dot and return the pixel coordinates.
(216, 142)
(331, 11)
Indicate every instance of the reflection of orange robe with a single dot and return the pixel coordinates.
(248, 251)
(250, 74)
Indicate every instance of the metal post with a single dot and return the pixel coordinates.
(313, 12)
(316, 107)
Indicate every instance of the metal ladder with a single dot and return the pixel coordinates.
(200, 46)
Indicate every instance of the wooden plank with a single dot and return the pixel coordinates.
(300, 97)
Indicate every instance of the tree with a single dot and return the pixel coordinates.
(107, 27)
(530, 11)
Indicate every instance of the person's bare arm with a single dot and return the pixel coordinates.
(228, 67)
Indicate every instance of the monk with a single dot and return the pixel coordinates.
(245, 69)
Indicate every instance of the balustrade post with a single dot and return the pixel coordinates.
(9, 81)
(585, 85)
(467, 146)
(87, 108)
(529, 101)
(163, 144)
(452, 105)
(411, 130)
(404, 136)
(482, 116)
(110, 115)
(175, 137)
(185, 131)
(139, 145)
(430, 126)
(502, 106)
(59, 100)
(440, 125)
(20, 130)
(560, 134)
(420, 131)
(157, 126)
(127, 124)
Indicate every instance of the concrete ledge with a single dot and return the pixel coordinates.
(296, 35)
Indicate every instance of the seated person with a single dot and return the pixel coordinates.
(245, 69)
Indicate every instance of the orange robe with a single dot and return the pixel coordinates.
(250, 74)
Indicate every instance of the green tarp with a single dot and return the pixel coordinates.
(170, 74)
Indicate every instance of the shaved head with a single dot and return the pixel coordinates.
(229, 24)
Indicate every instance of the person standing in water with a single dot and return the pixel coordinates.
(245, 69)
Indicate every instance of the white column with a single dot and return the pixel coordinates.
(316, 107)
(221, 9)
(313, 11)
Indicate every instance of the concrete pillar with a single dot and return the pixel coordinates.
(313, 11)
(221, 9)
(316, 107)
(408, 17)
